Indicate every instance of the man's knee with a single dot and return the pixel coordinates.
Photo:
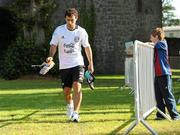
(67, 91)
(77, 86)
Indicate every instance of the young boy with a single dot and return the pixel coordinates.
(163, 81)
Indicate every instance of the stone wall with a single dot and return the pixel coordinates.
(119, 21)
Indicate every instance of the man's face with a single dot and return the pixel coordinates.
(71, 22)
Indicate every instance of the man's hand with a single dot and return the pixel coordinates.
(91, 68)
(49, 60)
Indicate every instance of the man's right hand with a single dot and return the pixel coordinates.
(49, 60)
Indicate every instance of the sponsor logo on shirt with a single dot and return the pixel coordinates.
(62, 37)
(69, 48)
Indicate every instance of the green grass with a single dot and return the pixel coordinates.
(36, 107)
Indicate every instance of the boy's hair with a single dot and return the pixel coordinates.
(71, 11)
(158, 32)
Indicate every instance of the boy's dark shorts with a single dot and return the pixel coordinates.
(70, 75)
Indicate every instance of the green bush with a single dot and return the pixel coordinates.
(19, 57)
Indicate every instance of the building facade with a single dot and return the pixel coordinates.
(172, 31)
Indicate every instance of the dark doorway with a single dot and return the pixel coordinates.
(8, 29)
(173, 46)
(174, 52)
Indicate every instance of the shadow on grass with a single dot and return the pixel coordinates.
(13, 121)
(49, 84)
(105, 97)
(29, 84)
(82, 121)
(25, 119)
(14, 102)
(53, 100)
(104, 112)
(122, 126)
(115, 131)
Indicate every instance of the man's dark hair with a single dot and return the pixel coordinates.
(71, 11)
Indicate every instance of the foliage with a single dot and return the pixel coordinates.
(9, 28)
(169, 17)
(34, 13)
(20, 56)
(8, 31)
(87, 20)
(32, 16)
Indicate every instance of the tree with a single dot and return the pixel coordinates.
(169, 17)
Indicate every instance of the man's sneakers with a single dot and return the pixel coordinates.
(75, 117)
(70, 109)
(71, 115)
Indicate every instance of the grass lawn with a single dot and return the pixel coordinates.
(36, 106)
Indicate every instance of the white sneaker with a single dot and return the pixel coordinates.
(75, 117)
(70, 110)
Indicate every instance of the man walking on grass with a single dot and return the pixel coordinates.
(69, 38)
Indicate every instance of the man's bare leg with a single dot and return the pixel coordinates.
(77, 96)
(69, 100)
(68, 95)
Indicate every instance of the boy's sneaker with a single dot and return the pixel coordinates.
(75, 117)
(175, 119)
(70, 110)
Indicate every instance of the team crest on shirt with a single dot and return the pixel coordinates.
(62, 37)
(76, 39)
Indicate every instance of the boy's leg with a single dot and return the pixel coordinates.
(166, 89)
(159, 98)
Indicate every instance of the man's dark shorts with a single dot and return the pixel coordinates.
(70, 75)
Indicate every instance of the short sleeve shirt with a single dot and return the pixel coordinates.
(69, 45)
